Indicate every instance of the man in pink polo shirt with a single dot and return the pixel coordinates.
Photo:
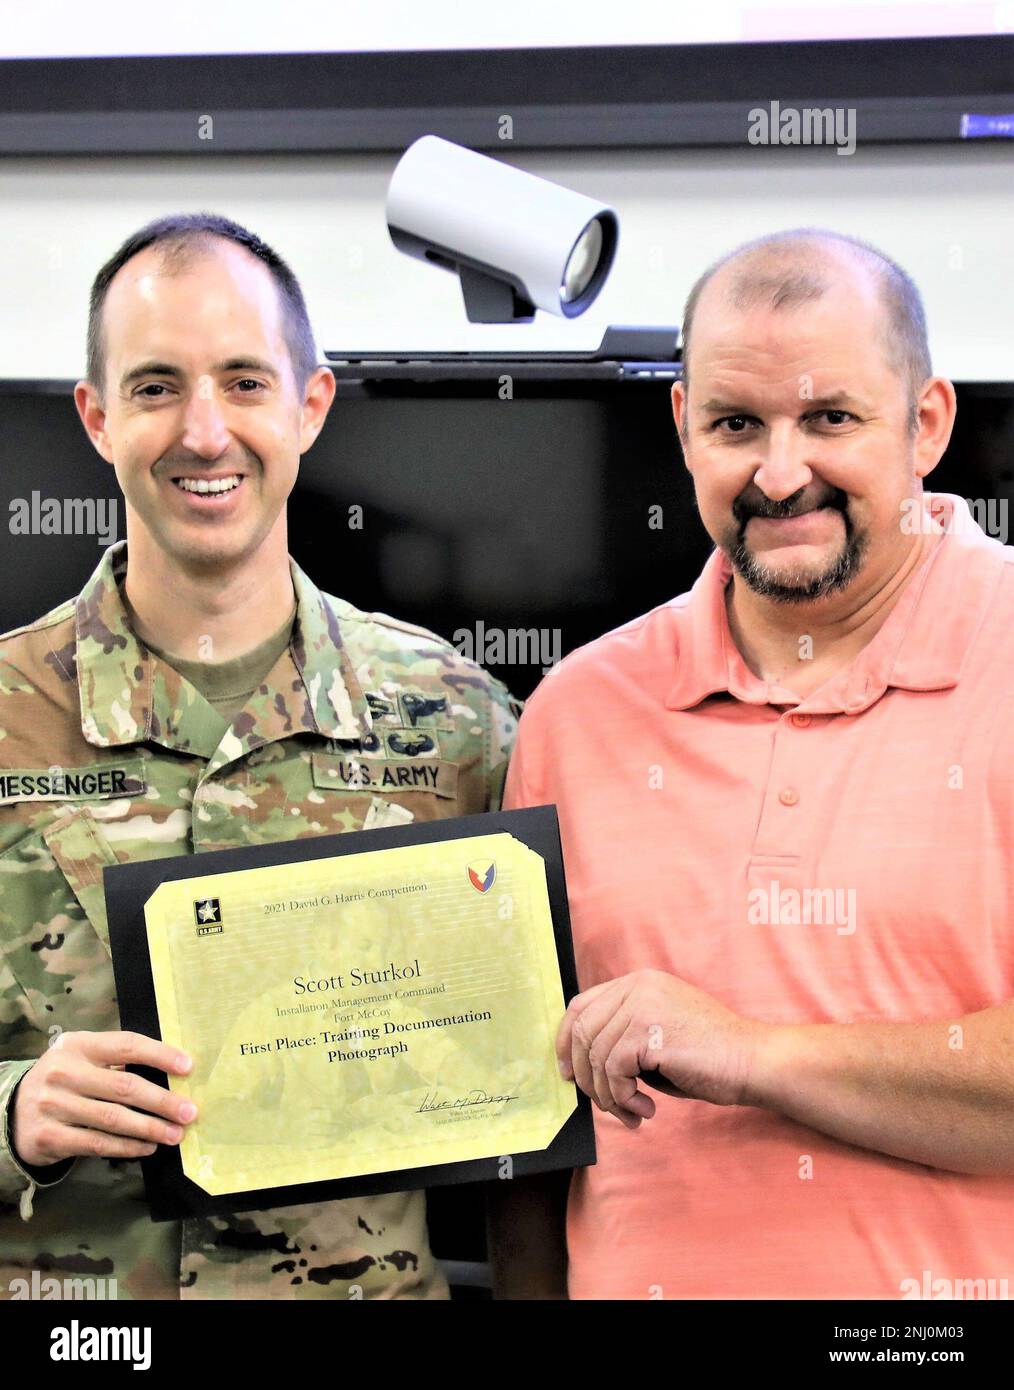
(787, 808)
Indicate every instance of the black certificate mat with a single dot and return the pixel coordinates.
(129, 886)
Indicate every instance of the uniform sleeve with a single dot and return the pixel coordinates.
(504, 712)
(17, 1180)
(521, 788)
(25, 899)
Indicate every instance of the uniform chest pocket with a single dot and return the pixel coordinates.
(53, 923)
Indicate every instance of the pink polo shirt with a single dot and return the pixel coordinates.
(845, 857)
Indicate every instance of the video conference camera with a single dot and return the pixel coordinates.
(517, 242)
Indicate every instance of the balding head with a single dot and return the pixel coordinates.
(787, 270)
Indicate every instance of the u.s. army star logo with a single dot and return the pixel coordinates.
(207, 915)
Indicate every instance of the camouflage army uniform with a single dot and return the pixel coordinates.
(108, 755)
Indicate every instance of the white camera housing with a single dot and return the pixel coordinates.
(518, 242)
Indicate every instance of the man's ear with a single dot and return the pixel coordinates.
(320, 392)
(937, 409)
(93, 417)
(679, 413)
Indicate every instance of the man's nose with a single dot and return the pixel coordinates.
(784, 468)
(204, 428)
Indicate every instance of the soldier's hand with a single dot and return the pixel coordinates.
(76, 1100)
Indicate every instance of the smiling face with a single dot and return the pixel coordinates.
(203, 423)
(797, 437)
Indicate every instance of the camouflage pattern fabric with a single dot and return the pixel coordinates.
(108, 755)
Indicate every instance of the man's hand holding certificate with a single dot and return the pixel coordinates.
(386, 1008)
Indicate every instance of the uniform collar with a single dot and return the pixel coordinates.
(338, 706)
(921, 646)
(129, 695)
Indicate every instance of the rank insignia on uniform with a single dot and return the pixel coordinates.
(208, 916)
(481, 875)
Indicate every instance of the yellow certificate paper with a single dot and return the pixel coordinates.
(362, 1013)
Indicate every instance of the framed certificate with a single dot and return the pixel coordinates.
(366, 1013)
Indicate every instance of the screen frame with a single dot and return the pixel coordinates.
(902, 90)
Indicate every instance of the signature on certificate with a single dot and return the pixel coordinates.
(474, 1097)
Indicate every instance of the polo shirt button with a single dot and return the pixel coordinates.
(788, 796)
(801, 721)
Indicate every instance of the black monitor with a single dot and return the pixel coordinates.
(539, 505)
(517, 521)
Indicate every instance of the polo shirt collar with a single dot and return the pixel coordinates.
(921, 646)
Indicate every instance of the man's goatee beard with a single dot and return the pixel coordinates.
(838, 576)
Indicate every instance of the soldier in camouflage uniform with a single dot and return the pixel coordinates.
(109, 754)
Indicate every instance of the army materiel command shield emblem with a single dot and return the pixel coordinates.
(481, 875)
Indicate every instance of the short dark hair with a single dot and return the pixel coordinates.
(769, 274)
(179, 235)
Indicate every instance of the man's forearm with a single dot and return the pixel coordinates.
(939, 1093)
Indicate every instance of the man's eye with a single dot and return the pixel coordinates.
(844, 413)
(248, 381)
(152, 386)
(727, 419)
